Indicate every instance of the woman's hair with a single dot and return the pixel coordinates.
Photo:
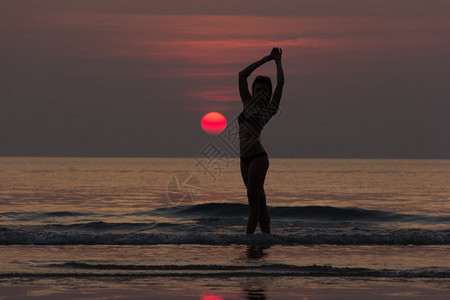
(262, 79)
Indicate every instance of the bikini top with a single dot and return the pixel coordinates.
(259, 112)
(251, 118)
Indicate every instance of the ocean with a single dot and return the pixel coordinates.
(174, 228)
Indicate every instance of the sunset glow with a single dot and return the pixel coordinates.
(351, 71)
(218, 150)
(214, 123)
(210, 298)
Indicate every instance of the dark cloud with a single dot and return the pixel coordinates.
(378, 8)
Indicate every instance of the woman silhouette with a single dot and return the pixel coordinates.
(259, 107)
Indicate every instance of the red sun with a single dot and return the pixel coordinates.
(214, 123)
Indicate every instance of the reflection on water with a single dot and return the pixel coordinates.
(136, 184)
(255, 287)
(209, 295)
(256, 252)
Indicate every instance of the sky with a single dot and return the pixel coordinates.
(363, 79)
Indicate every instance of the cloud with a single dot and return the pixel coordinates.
(128, 62)
(182, 41)
(284, 8)
(221, 95)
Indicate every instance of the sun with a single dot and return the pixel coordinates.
(214, 123)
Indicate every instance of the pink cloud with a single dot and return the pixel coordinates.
(225, 95)
(189, 45)
(208, 108)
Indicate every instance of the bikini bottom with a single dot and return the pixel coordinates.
(246, 160)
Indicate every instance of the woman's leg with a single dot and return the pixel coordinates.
(264, 218)
(255, 188)
(244, 172)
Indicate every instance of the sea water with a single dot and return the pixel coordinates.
(174, 228)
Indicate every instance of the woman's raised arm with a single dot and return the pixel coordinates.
(243, 84)
(276, 54)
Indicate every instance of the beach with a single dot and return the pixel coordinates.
(162, 228)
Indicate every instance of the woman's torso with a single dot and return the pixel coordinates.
(252, 120)
(250, 127)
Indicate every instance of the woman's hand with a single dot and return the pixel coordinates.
(276, 54)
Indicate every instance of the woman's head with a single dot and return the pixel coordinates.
(262, 83)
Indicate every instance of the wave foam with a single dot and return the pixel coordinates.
(357, 237)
